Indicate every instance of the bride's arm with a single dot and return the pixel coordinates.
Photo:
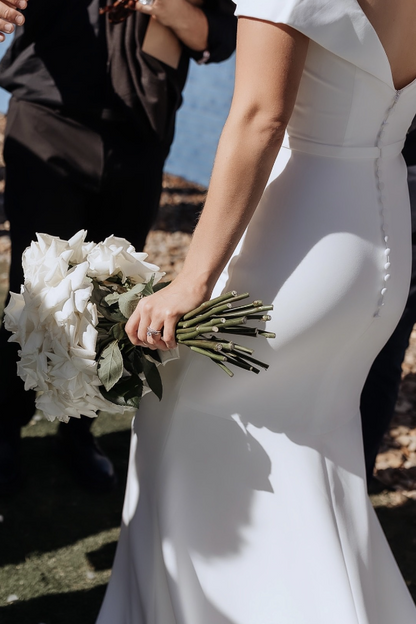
(270, 61)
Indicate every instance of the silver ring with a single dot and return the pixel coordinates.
(153, 332)
(146, 2)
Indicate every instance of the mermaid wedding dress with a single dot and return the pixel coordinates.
(246, 498)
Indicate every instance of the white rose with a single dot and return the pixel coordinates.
(33, 365)
(13, 312)
(22, 322)
(74, 398)
(46, 261)
(52, 299)
(80, 249)
(116, 255)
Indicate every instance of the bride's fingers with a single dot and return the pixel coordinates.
(132, 327)
(169, 331)
(153, 334)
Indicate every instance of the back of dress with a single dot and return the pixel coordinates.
(246, 499)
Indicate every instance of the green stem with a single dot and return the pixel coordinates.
(209, 304)
(184, 330)
(250, 310)
(241, 349)
(204, 344)
(232, 322)
(203, 317)
(266, 334)
(247, 306)
(247, 358)
(225, 368)
(259, 317)
(213, 356)
(198, 331)
(240, 331)
(241, 364)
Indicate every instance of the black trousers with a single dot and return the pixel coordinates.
(380, 391)
(67, 172)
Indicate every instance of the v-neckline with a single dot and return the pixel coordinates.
(383, 49)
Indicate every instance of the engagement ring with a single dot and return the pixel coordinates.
(146, 2)
(153, 332)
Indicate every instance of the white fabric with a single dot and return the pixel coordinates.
(246, 499)
(340, 26)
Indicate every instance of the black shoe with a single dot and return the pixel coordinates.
(87, 462)
(10, 471)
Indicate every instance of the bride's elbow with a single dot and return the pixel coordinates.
(269, 127)
(273, 130)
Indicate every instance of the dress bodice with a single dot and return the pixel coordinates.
(346, 95)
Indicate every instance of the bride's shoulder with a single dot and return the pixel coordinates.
(298, 12)
(339, 26)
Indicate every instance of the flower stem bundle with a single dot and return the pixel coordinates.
(199, 328)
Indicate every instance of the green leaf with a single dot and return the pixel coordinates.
(111, 298)
(128, 301)
(126, 393)
(98, 293)
(153, 378)
(114, 314)
(103, 340)
(98, 296)
(148, 287)
(110, 365)
(117, 331)
(133, 361)
(151, 355)
(117, 278)
(160, 285)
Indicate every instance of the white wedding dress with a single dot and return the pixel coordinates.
(246, 498)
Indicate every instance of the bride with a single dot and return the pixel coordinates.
(246, 498)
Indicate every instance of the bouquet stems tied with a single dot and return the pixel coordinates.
(199, 328)
(124, 368)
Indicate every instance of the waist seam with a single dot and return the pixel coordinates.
(342, 151)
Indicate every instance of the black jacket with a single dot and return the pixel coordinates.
(68, 56)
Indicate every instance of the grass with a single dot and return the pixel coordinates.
(58, 540)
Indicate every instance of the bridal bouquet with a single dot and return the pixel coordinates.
(69, 321)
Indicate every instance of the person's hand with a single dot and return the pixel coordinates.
(9, 16)
(167, 12)
(161, 312)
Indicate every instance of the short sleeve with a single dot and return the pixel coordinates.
(292, 12)
(339, 26)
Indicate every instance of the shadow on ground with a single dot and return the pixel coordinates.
(64, 608)
(51, 511)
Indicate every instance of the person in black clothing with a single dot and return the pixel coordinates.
(381, 388)
(88, 130)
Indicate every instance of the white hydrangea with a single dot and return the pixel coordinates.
(54, 321)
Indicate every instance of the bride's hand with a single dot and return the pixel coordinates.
(160, 313)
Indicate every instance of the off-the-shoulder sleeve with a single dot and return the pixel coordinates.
(340, 26)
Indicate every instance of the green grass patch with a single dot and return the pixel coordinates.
(57, 539)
